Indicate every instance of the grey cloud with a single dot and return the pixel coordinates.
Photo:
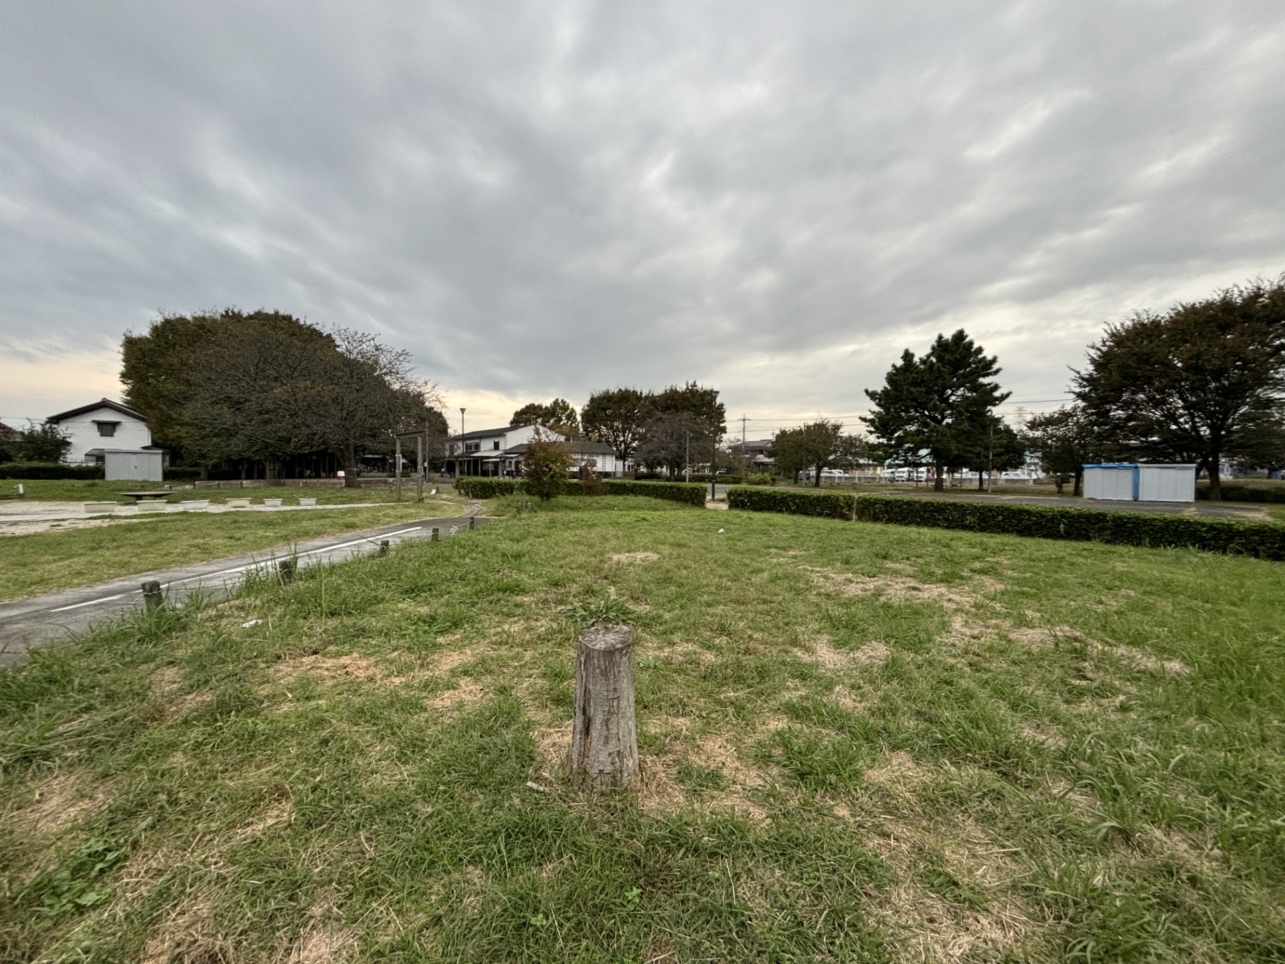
(546, 199)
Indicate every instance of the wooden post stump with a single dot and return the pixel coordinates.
(435, 535)
(383, 547)
(285, 570)
(153, 597)
(472, 523)
(604, 736)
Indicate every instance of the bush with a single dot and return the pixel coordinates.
(476, 487)
(49, 470)
(760, 478)
(182, 473)
(689, 494)
(1233, 492)
(1263, 540)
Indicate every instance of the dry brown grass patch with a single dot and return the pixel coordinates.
(824, 654)
(466, 692)
(333, 668)
(186, 935)
(891, 588)
(58, 803)
(628, 557)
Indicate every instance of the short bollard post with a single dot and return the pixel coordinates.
(472, 523)
(383, 547)
(604, 735)
(152, 595)
(436, 534)
(286, 570)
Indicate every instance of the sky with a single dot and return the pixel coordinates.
(546, 199)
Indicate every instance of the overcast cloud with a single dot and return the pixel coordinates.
(545, 199)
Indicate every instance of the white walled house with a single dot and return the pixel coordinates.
(99, 426)
(498, 452)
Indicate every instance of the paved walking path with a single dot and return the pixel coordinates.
(60, 617)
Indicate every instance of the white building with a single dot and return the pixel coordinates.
(499, 452)
(99, 426)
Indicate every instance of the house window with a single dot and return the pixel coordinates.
(470, 446)
(107, 429)
(496, 445)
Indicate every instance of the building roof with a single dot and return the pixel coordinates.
(103, 403)
(7, 432)
(577, 448)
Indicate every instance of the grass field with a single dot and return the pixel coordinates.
(45, 561)
(858, 743)
(91, 490)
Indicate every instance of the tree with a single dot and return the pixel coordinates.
(531, 413)
(699, 403)
(46, 443)
(1260, 444)
(1185, 384)
(941, 404)
(266, 386)
(671, 439)
(546, 465)
(816, 446)
(616, 417)
(1000, 449)
(1062, 442)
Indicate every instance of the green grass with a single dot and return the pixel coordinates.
(82, 490)
(45, 561)
(858, 742)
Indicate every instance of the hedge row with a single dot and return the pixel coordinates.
(1270, 492)
(687, 493)
(48, 470)
(1263, 540)
(477, 487)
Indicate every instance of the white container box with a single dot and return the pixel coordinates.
(237, 503)
(272, 503)
(195, 505)
(308, 502)
(1140, 482)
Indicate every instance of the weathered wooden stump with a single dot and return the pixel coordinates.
(153, 597)
(383, 547)
(472, 523)
(435, 535)
(285, 570)
(604, 736)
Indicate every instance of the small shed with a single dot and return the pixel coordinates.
(141, 465)
(1171, 482)
(1116, 481)
(1140, 482)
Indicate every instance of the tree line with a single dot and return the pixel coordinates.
(230, 387)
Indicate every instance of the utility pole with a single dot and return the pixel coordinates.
(990, 456)
(713, 460)
(687, 462)
(397, 467)
(745, 457)
(419, 468)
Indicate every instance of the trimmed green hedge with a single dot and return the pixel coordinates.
(1263, 540)
(48, 470)
(687, 493)
(1240, 492)
(477, 487)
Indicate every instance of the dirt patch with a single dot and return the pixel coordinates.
(58, 525)
(58, 804)
(632, 557)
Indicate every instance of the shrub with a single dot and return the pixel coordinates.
(689, 494)
(1233, 492)
(760, 478)
(1264, 540)
(476, 487)
(49, 470)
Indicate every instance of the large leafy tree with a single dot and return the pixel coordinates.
(999, 449)
(1186, 384)
(559, 415)
(41, 443)
(616, 417)
(699, 403)
(937, 408)
(266, 386)
(816, 446)
(672, 439)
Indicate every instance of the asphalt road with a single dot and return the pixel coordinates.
(60, 617)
